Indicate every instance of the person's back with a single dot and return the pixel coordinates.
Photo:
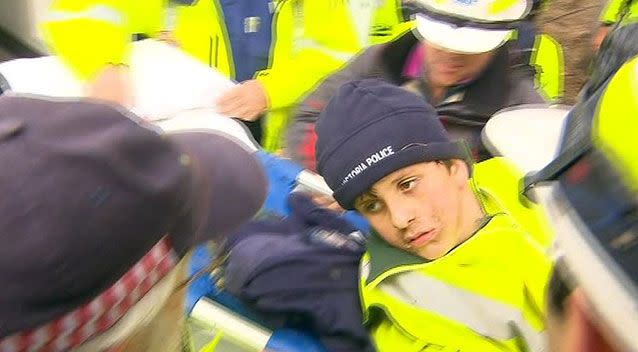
(449, 266)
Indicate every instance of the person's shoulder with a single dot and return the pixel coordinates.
(508, 236)
(495, 169)
(498, 245)
(523, 88)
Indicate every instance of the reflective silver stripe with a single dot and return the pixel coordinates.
(298, 30)
(484, 316)
(98, 12)
(306, 43)
(454, 98)
(300, 42)
(170, 18)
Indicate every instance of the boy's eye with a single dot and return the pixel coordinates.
(372, 206)
(407, 184)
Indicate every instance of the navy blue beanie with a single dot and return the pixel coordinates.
(370, 129)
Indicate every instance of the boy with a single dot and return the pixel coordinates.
(449, 266)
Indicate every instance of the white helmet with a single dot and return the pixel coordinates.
(467, 26)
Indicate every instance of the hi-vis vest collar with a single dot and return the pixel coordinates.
(384, 257)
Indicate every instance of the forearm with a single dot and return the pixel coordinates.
(112, 84)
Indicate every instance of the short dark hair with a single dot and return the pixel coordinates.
(447, 163)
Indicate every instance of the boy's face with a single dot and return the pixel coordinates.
(419, 208)
(446, 69)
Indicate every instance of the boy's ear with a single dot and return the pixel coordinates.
(459, 172)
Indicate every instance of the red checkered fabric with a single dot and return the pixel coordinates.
(76, 327)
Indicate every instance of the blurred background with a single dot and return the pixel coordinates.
(19, 35)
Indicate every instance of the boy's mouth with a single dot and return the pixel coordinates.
(422, 238)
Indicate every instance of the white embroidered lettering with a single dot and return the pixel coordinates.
(369, 161)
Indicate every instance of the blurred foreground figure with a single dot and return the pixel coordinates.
(99, 213)
(593, 298)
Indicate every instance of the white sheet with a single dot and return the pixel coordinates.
(207, 119)
(166, 80)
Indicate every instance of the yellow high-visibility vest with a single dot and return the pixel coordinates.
(547, 57)
(312, 40)
(89, 34)
(615, 10)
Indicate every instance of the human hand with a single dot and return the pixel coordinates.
(168, 37)
(112, 84)
(246, 101)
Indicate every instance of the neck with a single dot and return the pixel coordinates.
(473, 214)
(437, 93)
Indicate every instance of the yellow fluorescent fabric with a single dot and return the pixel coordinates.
(89, 34)
(486, 295)
(312, 40)
(616, 122)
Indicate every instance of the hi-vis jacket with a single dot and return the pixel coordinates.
(487, 294)
(312, 40)
(617, 9)
(89, 34)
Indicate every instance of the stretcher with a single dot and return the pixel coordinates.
(176, 92)
(213, 309)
